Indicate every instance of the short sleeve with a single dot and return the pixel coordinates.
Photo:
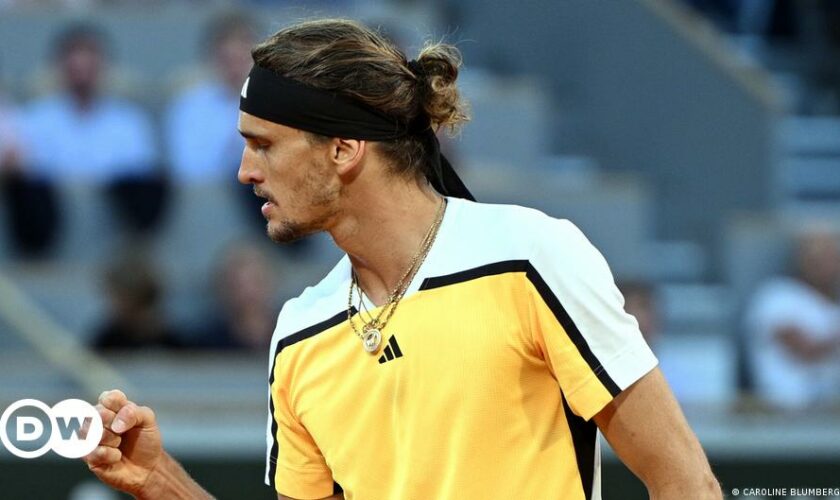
(295, 466)
(592, 346)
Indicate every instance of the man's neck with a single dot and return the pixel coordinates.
(382, 233)
(83, 101)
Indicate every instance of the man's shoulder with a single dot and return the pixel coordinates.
(519, 230)
(44, 107)
(110, 111)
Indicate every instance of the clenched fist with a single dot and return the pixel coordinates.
(130, 448)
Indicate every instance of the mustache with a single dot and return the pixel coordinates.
(262, 194)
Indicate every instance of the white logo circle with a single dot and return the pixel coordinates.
(67, 420)
(4, 420)
(69, 417)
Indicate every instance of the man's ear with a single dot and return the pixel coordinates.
(346, 154)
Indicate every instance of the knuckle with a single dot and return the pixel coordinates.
(93, 457)
(128, 412)
(111, 438)
(112, 397)
(148, 411)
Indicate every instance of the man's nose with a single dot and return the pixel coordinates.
(249, 173)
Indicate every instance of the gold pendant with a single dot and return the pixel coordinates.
(371, 340)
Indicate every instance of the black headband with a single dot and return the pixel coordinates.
(278, 99)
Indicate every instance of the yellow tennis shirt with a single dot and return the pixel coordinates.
(510, 338)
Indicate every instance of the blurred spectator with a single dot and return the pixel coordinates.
(794, 328)
(202, 140)
(29, 205)
(135, 318)
(247, 311)
(203, 144)
(79, 133)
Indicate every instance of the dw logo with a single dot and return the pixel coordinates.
(30, 428)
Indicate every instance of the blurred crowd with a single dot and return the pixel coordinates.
(790, 328)
(82, 132)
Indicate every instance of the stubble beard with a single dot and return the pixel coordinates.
(288, 231)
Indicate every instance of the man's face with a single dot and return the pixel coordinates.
(293, 174)
(81, 67)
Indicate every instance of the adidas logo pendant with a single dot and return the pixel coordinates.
(391, 351)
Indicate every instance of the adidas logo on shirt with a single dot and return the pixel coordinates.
(392, 351)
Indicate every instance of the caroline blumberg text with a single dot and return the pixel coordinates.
(786, 492)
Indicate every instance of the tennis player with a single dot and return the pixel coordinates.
(460, 350)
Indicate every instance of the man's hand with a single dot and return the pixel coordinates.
(130, 448)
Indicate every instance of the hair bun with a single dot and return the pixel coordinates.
(438, 65)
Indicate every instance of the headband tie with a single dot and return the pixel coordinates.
(273, 97)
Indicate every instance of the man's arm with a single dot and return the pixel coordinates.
(647, 430)
(802, 346)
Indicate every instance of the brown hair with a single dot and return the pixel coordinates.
(349, 58)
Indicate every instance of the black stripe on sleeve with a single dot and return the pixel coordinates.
(282, 344)
(572, 330)
(551, 300)
(584, 435)
(337, 488)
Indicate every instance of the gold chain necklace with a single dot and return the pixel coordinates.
(371, 333)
